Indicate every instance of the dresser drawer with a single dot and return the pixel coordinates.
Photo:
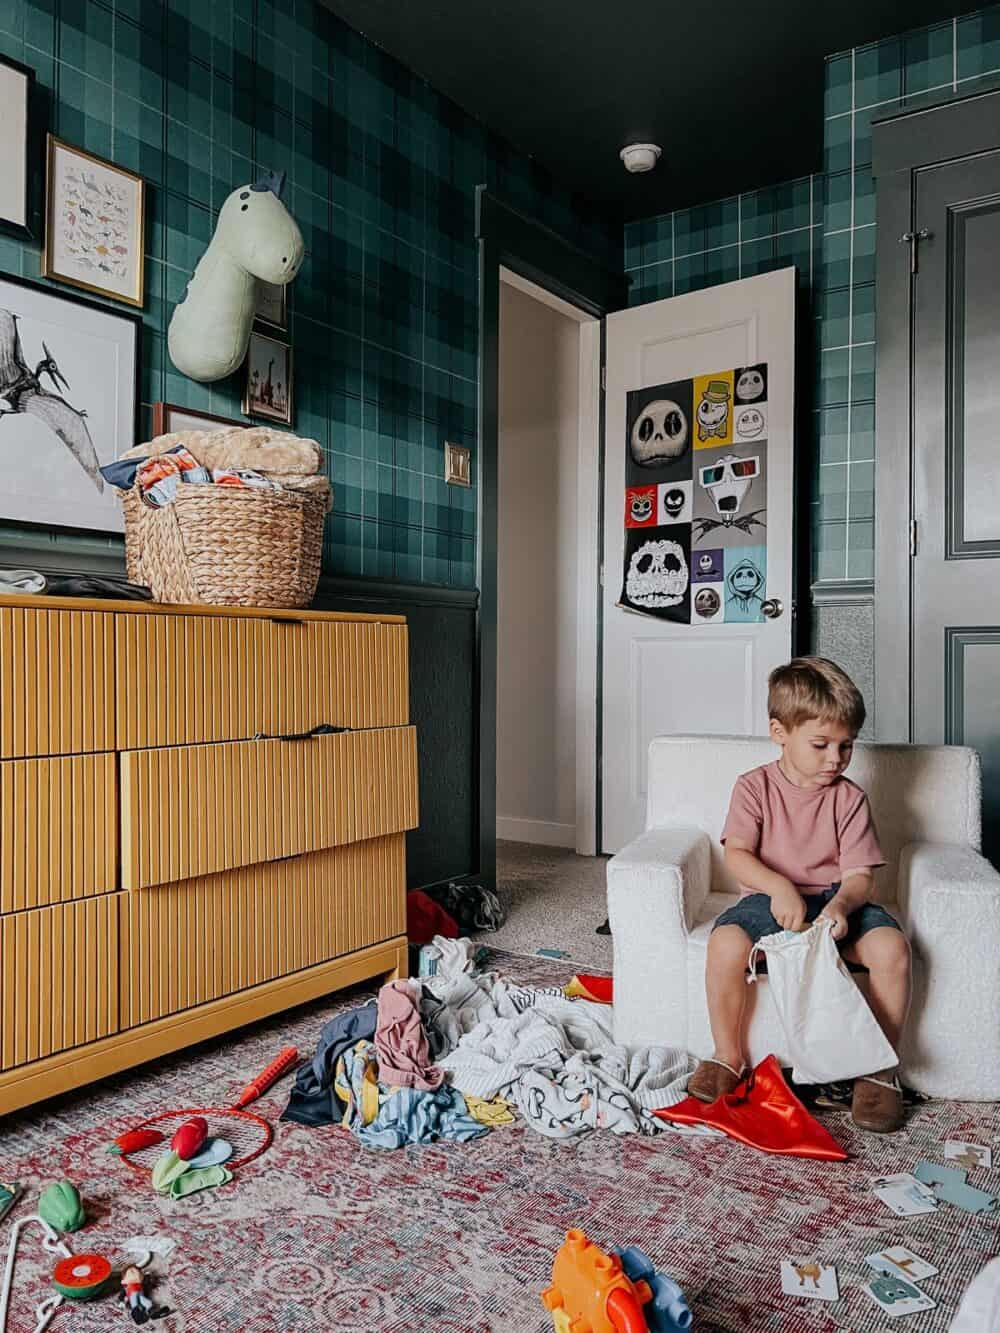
(189, 943)
(216, 678)
(58, 830)
(56, 682)
(58, 978)
(188, 811)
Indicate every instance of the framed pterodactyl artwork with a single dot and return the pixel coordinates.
(69, 382)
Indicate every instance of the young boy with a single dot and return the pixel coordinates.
(800, 840)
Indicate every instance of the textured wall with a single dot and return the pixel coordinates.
(825, 224)
(198, 97)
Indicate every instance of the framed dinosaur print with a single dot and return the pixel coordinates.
(69, 380)
(94, 224)
(267, 387)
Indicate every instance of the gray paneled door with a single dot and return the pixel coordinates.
(956, 467)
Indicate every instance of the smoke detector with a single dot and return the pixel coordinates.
(640, 156)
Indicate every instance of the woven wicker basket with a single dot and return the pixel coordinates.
(227, 545)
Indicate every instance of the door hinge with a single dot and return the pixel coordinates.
(604, 379)
(913, 536)
(913, 239)
(600, 575)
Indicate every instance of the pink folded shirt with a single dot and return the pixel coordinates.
(812, 836)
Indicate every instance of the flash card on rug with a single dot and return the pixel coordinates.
(973, 1156)
(898, 1261)
(806, 1277)
(897, 1297)
(904, 1194)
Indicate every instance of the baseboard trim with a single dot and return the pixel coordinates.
(539, 831)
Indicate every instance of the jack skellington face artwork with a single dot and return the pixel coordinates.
(707, 603)
(746, 585)
(713, 410)
(673, 501)
(727, 481)
(657, 575)
(660, 434)
(749, 423)
(749, 385)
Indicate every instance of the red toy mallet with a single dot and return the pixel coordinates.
(275, 1070)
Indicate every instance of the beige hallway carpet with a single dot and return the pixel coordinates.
(555, 900)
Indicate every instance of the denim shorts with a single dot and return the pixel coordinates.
(753, 914)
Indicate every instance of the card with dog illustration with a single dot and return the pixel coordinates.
(808, 1277)
(973, 1156)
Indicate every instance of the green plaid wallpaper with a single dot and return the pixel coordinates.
(199, 96)
(826, 225)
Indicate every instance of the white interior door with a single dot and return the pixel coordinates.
(698, 523)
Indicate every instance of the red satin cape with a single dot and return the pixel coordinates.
(585, 986)
(763, 1113)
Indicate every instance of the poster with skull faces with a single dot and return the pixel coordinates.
(696, 498)
(658, 572)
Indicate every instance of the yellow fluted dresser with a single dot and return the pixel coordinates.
(180, 853)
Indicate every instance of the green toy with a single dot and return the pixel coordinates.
(62, 1207)
(167, 1169)
(202, 1178)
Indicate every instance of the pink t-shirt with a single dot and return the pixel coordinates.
(809, 835)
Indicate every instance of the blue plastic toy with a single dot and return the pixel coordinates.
(668, 1310)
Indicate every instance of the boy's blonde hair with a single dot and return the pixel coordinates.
(813, 688)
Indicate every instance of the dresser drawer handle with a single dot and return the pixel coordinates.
(324, 729)
(286, 620)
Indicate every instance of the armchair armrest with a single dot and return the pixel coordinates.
(949, 896)
(666, 871)
(655, 887)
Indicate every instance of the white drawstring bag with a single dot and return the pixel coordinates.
(830, 1032)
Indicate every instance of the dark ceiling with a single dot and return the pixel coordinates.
(732, 91)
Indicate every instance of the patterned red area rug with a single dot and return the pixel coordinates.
(320, 1233)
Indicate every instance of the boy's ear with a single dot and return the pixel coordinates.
(778, 733)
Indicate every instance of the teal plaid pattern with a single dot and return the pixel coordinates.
(826, 225)
(200, 97)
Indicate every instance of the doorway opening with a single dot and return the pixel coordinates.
(548, 523)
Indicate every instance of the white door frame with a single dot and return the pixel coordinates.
(588, 552)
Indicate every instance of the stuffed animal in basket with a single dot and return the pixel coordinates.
(255, 237)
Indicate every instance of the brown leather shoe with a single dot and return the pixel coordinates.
(877, 1104)
(712, 1080)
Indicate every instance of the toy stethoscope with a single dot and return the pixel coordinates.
(45, 1310)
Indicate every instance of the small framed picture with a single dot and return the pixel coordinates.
(272, 304)
(16, 93)
(94, 224)
(167, 418)
(267, 391)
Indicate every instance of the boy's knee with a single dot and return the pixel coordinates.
(889, 950)
(729, 944)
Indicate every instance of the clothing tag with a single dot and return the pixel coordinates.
(806, 1277)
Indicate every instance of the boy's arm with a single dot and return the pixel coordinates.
(787, 905)
(855, 890)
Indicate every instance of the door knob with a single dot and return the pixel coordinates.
(772, 608)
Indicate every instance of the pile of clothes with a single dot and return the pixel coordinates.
(258, 457)
(454, 1054)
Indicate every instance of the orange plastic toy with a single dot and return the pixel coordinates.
(590, 1292)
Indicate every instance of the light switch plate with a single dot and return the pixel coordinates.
(457, 464)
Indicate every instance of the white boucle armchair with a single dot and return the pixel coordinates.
(666, 888)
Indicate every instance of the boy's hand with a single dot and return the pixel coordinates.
(831, 912)
(788, 908)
